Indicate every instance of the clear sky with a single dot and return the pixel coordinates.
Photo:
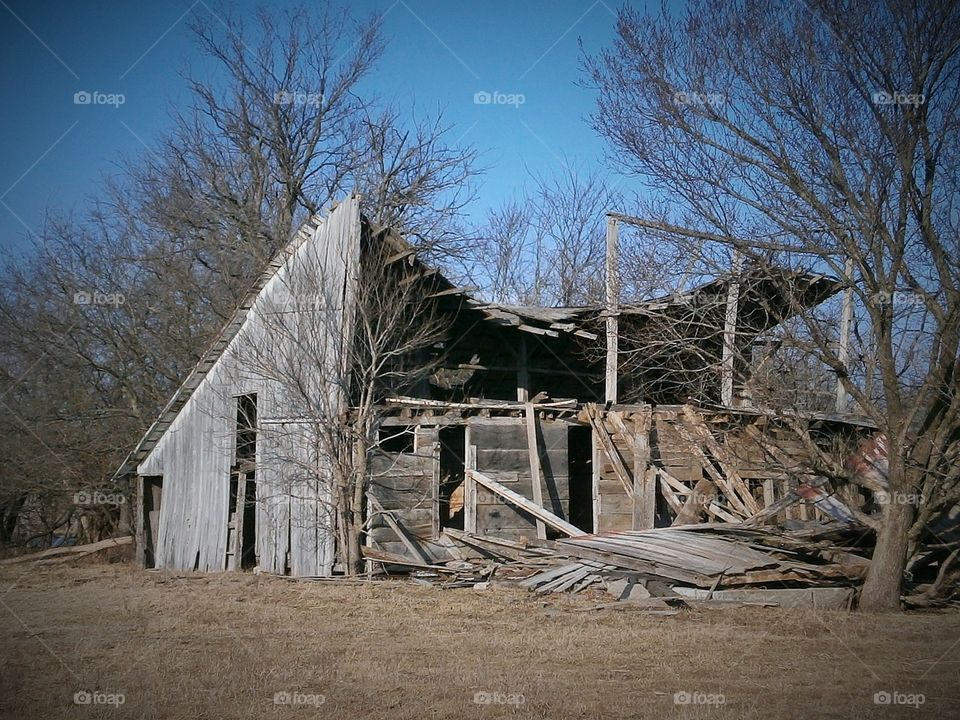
(53, 152)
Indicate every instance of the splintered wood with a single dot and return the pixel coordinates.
(704, 559)
(716, 506)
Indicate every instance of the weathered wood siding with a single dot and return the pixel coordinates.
(298, 321)
(614, 505)
(405, 485)
(503, 455)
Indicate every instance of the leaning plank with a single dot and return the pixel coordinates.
(610, 450)
(520, 501)
(388, 558)
(721, 455)
(72, 550)
(721, 513)
(671, 497)
(693, 445)
(536, 474)
(408, 542)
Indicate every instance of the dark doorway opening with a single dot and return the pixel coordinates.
(246, 427)
(248, 537)
(453, 445)
(242, 527)
(152, 495)
(580, 464)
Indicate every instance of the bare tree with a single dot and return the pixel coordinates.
(809, 135)
(278, 128)
(547, 248)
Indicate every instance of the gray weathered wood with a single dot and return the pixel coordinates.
(526, 504)
(728, 357)
(644, 476)
(536, 474)
(408, 542)
(612, 309)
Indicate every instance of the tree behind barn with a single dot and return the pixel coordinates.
(278, 128)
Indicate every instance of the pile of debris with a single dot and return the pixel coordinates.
(721, 564)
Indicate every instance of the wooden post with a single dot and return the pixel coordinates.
(644, 475)
(536, 473)
(843, 349)
(612, 283)
(140, 521)
(523, 374)
(730, 334)
(236, 561)
(469, 486)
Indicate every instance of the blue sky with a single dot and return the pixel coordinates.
(55, 152)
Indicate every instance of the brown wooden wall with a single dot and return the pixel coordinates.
(503, 455)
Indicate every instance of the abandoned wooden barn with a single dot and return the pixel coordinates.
(514, 434)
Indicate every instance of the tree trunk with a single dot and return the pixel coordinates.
(358, 503)
(881, 589)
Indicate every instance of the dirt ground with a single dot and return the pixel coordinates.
(112, 641)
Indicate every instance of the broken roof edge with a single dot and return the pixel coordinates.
(537, 320)
(564, 318)
(227, 333)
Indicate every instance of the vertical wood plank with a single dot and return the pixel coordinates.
(644, 481)
(536, 472)
(612, 309)
(768, 495)
(470, 486)
(139, 521)
(236, 560)
(523, 374)
(730, 335)
(846, 317)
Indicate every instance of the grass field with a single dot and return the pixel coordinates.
(245, 646)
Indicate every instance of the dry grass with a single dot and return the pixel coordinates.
(221, 646)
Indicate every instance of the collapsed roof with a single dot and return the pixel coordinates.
(761, 296)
